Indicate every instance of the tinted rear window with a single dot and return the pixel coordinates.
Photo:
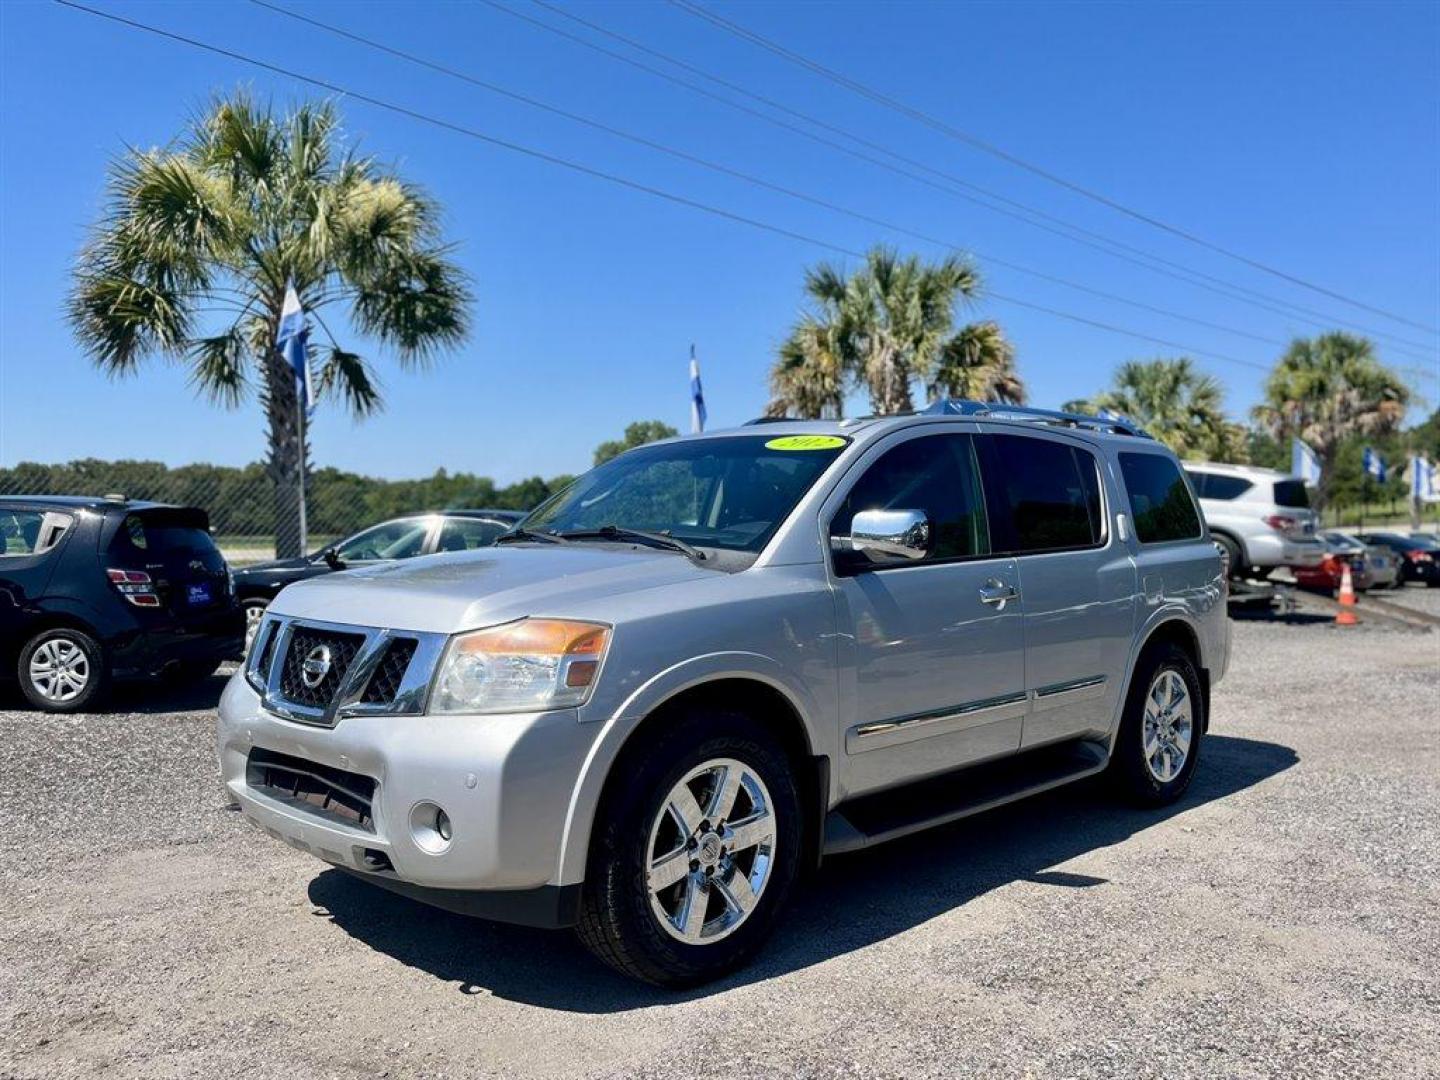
(1052, 491)
(1159, 500)
(1292, 493)
(1219, 487)
(167, 535)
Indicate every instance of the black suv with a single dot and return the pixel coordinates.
(98, 589)
(398, 538)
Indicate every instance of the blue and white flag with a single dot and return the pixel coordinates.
(1304, 463)
(697, 396)
(1374, 464)
(290, 339)
(1423, 484)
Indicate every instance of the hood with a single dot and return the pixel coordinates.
(461, 591)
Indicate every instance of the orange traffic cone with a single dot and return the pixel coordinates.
(1346, 615)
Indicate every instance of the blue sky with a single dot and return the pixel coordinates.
(1306, 135)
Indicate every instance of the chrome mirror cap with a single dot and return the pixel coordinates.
(888, 536)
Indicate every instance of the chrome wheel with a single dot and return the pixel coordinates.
(253, 614)
(59, 670)
(711, 850)
(1169, 725)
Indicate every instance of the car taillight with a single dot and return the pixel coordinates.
(1419, 556)
(135, 586)
(1280, 523)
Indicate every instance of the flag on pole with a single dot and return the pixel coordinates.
(1304, 463)
(1374, 464)
(1423, 484)
(697, 396)
(290, 339)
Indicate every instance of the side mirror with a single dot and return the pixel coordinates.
(890, 536)
(332, 559)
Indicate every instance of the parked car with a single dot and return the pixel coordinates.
(1260, 516)
(1419, 559)
(715, 660)
(1327, 575)
(398, 538)
(97, 590)
(1380, 562)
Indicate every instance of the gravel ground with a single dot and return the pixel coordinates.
(1280, 921)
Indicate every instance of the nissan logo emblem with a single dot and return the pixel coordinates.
(315, 666)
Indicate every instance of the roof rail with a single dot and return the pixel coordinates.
(1115, 425)
(767, 420)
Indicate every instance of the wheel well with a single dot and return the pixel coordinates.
(1182, 635)
(762, 702)
(1239, 544)
(50, 620)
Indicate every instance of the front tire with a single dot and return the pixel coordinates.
(62, 671)
(695, 853)
(1158, 746)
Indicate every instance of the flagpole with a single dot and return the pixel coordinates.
(304, 524)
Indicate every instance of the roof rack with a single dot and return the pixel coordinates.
(1114, 425)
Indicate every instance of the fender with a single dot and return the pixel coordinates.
(1166, 612)
(606, 747)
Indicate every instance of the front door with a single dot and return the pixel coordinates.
(935, 646)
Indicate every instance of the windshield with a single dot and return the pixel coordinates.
(401, 539)
(728, 492)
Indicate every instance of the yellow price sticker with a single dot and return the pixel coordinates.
(805, 442)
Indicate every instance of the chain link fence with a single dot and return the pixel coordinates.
(253, 518)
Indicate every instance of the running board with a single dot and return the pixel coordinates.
(896, 812)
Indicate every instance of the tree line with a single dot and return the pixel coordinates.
(241, 502)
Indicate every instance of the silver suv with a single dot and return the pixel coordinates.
(715, 660)
(1261, 517)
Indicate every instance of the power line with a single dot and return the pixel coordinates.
(856, 87)
(1060, 227)
(587, 170)
(746, 177)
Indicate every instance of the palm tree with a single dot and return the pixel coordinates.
(192, 255)
(883, 326)
(978, 363)
(1327, 389)
(1175, 403)
(808, 378)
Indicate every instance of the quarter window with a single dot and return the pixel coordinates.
(1159, 500)
(1052, 491)
(935, 474)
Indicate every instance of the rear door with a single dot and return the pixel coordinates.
(1077, 583)
(173, 546)
(31, 543)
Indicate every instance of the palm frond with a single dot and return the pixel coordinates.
(347, 374)
(217, 366)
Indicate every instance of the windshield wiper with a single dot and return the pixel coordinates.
(645, 536)
(530, 534)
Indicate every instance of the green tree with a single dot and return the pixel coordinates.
(1182, 407)
(196, 243)
(978, 363)
(885, 327)
(1327, 389)
(636, 434)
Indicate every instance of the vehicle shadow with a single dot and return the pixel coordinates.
(854, 901)
(149, 696)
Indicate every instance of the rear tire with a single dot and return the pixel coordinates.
(62, 671)
(675, 902)
(1161, 730)
(254, 611)
(1230, 552)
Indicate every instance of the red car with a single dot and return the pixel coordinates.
(1326, 577)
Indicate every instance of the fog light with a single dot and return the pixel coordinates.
(430, 828)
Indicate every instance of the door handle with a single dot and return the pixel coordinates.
(997, 592)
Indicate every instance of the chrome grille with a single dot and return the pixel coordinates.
(331, 654)
(385, 683)
(354, 670)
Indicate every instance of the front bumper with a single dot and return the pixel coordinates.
(505, 782)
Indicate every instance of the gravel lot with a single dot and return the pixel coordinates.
(1280, 921)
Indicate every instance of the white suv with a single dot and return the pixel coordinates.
(1261, 517)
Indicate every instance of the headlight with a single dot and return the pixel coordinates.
(523, 666)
